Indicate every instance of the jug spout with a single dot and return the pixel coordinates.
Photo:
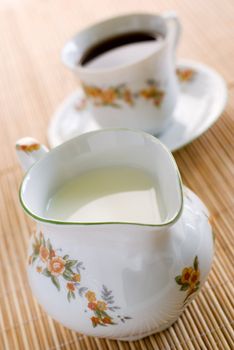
(29, 151)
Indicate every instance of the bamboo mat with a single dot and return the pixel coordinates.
(32, 83)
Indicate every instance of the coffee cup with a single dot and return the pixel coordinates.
(126, 66)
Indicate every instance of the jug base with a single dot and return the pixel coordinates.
(139, 336)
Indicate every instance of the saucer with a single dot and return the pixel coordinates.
(202, 98)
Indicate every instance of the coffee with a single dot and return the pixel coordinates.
(118, 194)
(121, 49)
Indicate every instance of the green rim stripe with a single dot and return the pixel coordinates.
(56, 222)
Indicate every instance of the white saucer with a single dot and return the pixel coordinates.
(203, 96)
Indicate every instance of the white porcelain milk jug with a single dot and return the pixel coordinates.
(121, 280)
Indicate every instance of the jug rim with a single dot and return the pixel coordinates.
(43, 219)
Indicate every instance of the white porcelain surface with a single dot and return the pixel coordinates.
(138, 265)
(137, 273)
(125, 91)
(201, 102)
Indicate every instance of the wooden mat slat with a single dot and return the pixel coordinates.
(32, 83)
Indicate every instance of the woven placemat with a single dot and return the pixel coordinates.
(32, 83)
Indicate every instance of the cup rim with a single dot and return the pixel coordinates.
(83, 69)
(153, 139)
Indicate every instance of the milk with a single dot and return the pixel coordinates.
(118, 194)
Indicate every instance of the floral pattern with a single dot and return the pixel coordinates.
(185, 74)
(28, 148)
(189, 279)
(101, 308)
(58, 267)
(115, 96)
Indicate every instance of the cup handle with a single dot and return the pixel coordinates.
(174, 28)
(29, 151)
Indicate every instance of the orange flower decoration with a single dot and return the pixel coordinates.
(92, 91)
(76, 277)
(52, 253)
(186, 274)
(185, 74)
(148, 93)
(71, 287)
(56, 266)
(91, 296)
(107, 320)
(189, 279)
(28, 148)
(95, 321)
(194, 278)
(108, 96)
(64, 269)
(92, 306)
(44, 253)
(101, 305)
(127, 96)
(112, 96)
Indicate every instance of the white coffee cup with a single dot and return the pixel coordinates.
(139, 94)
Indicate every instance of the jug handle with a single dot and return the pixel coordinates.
(174, 28)
(29, 151)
